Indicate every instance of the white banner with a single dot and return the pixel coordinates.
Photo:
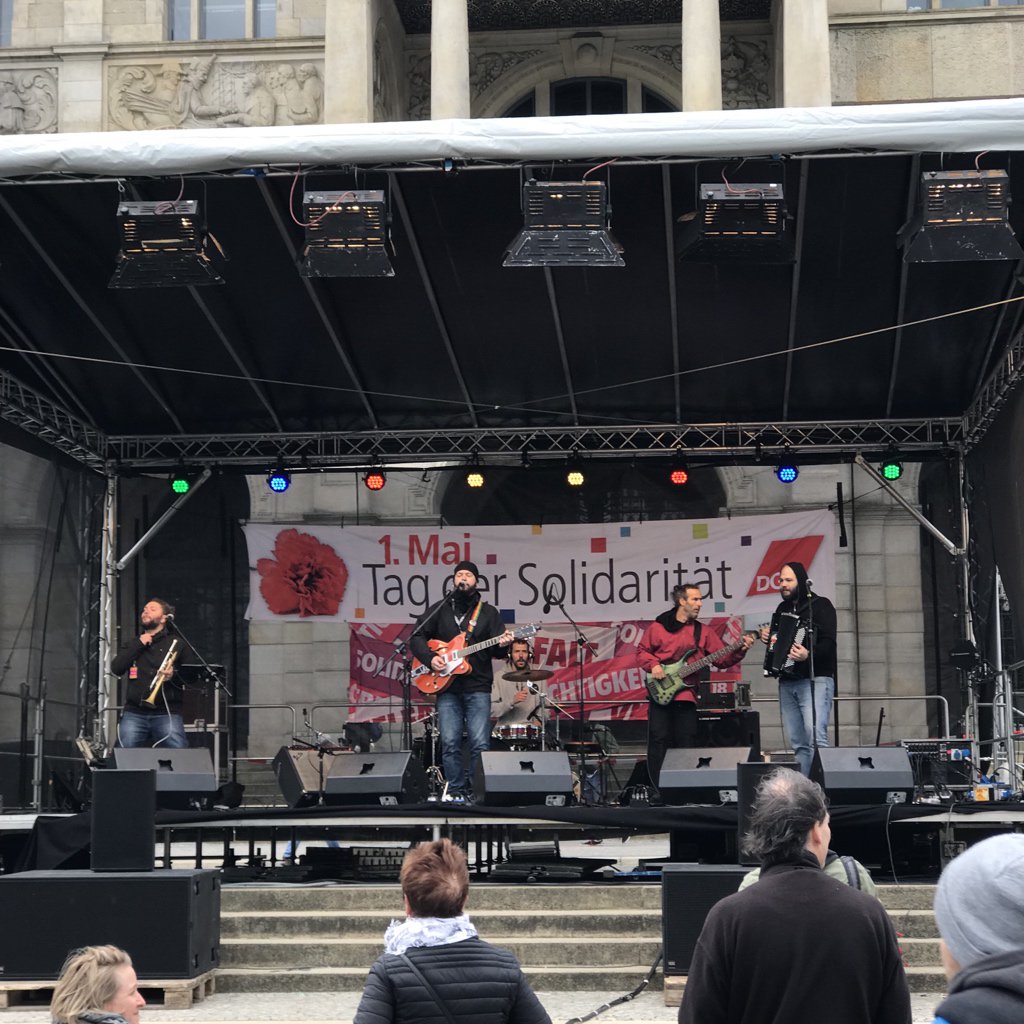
(603, 572)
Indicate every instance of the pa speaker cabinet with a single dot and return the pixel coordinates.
(729, 729)
(121, 828)
(864, 775)
(701, 775)
(169, 921)
(372, 778)
(688, 892)
(181, 775)
(513, 779)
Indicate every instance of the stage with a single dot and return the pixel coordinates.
(900, 841)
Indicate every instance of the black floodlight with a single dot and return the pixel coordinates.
(347, 235)
(163, 245)
(737, 224)
(565, 224)
(961, 216)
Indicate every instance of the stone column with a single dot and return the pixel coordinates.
(803, 68)
(80, 87)
(449, 59)
(702, 55)
(348, 61)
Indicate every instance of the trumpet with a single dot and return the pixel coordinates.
(163, 673)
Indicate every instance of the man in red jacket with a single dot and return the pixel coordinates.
(672, 635)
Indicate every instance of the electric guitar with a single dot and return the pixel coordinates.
(677, 673)
(455, 654)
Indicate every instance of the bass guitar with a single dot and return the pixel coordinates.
(455, 654)
(678, 673)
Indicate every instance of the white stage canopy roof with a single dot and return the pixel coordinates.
(965, 126)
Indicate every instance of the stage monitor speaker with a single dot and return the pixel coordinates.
(169, 921)
(374, 778)
(864, 775)
(749, 776)
(182, 776)
(701, 775)
(519, 778)
(297, 770)
(688, 892)
(121, 828)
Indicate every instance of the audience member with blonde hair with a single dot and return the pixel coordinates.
(97, 985)
(435, 969)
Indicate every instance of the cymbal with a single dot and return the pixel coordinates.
(528, 675)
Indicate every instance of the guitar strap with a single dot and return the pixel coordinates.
(472, 621)
(697, 629)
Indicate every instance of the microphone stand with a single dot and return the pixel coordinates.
(810, 667)
(218, 684)
(582, 645)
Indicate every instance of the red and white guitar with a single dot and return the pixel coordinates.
(455, 654)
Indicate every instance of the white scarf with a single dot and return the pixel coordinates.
(427, 931)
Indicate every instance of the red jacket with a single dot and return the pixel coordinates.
(667, 639)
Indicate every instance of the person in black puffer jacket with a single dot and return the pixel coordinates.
(97, 985)
(435, 954)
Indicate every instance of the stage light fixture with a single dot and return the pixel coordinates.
(475, 477)
(574, 473)
(375, 479)
(163, 245)
(180, 483)
(347, 235)
(678, 472)
(961, 216)
(279, 480)
(891, 469)
(742, 223)
(787, 472)
(565, 224)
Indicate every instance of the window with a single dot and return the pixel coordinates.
(221, 19)
(588, 96)
(6, 12)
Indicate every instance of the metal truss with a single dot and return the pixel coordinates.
(993, 394)
(365, 448)
(50, 422)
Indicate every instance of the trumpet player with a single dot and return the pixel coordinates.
(152, 700)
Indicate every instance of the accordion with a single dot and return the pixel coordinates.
(791, 630)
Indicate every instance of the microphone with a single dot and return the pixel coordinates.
(810, 585)
(169, 616)
(549, 600)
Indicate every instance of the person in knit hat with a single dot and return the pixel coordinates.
(979, 909)
(807, 671)
(464, 699)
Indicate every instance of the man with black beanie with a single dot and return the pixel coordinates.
(465, 703)
(796, 684)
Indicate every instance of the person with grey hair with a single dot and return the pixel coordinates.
(798, 944)
(979, 908)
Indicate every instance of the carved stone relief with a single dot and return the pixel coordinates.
(207, 92)
(385, 81)
(419, 87)
(486, 68)
(28, 101)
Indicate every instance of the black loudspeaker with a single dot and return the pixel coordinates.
(169, 921)
(121, 828)
(182, 776)
(519, 778)
(749, 775)
(864, 775)
(688, 892)
(350, 779)
(701, 775)
(729, 729)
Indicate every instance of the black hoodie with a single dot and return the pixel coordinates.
(823, 612)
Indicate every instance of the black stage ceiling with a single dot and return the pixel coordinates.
(456, 342)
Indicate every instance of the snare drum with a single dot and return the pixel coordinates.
(519, 735)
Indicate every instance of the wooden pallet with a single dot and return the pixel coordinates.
(674, 985)
(172, 994)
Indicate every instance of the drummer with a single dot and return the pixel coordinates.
(516, 699)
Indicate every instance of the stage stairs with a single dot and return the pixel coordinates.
(597, 937)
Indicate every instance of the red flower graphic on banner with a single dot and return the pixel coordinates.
(304, 576)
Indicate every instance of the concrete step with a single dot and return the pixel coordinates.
(907, 897)
(592, 951)
(925, 979)
(482, 896)
(489, 922)
(914, 924)
(352, 979)
(921, 953)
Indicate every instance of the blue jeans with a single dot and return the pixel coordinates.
(163, 730)
(455, 710)
(795, 703)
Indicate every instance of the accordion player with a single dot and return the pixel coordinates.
(791, 629)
